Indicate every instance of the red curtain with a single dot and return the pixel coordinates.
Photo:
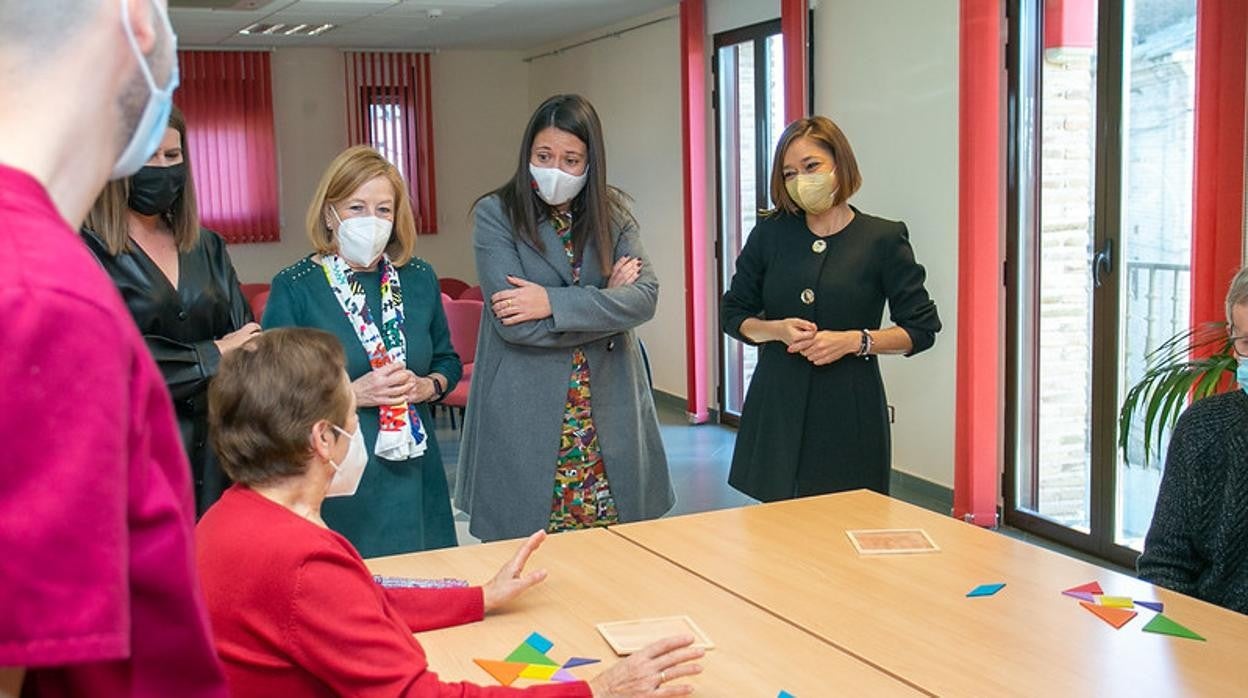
(227, 98)
(389, 107)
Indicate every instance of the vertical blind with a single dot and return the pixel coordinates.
(389, 108)
(228, 102)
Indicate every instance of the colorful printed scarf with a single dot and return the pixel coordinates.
(402, 436)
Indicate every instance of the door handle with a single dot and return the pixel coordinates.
(1102, 263)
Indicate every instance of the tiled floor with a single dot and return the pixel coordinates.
(699, 458)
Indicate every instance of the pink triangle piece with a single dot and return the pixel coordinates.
(1151, 605)
(1082, 595)
(564, 675)
(1116, 617)
(1089, 588)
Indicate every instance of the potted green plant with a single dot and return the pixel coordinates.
(1172, 376)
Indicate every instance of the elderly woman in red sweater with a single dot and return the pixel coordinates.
(294, 610)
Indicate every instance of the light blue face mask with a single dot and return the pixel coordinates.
(155, 118)
(1241, 375)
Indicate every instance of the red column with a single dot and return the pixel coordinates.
(1218, 171)
(977, 453)
(795, 29)
(693, 98)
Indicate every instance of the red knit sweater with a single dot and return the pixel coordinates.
(296, 613)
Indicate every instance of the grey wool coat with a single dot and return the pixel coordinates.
(520, 383)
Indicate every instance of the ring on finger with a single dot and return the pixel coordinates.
(662, 677)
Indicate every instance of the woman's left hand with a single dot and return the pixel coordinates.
(511, 581)
(827, 346)
(421, 389)
(527, 301)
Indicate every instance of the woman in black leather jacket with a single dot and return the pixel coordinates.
(179, 284)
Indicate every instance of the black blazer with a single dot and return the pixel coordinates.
(180, 326)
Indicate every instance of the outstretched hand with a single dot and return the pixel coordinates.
(511, 581)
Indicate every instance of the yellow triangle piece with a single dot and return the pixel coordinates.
(1116, 617)
(538, 671)
(1117, 602)
(503, 672)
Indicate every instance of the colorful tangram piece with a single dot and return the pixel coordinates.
(1116, 617)
(1151, 605)
(539, 671)
(529, 654)
(530, 661)
(1089, 588)
(986, 589)
(1164, 626)
(1117, 601)
(786, 694)
(503, 672)
(539, 643)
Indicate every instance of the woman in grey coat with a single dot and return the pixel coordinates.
(560, 431)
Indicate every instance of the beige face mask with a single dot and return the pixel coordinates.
(815, 193)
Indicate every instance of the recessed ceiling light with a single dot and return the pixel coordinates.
(320, 30)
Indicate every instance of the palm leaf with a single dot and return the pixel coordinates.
(1171, 377)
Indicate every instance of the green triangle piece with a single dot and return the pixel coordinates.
(1164, 626)
(528, 654)
(503, 672)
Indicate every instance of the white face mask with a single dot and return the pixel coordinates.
(556, 186)
(362, 239)
(348, 474)
(155, 117)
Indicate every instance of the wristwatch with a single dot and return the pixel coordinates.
(864, 348)
(439, 390)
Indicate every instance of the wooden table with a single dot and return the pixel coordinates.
(909, 616)
(596, 576)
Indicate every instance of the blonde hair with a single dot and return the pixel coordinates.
(109, 215)
(354, 167)
(829, 136)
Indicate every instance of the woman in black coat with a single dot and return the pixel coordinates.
(179, 284)
(810, 289)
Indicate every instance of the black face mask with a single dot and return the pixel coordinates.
(153, 190)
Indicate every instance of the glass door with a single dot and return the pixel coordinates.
(749, 117)
(1099, 209)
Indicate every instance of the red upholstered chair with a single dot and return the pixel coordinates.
(257, 304)
(472, 293)
(252, 293)
(452, 287)
(463, 318)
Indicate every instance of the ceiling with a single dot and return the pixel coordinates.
(407, 24)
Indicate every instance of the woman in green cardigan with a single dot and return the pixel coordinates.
(363, 285)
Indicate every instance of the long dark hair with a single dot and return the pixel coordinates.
(595, 209)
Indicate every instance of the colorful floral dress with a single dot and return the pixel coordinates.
(582, 496)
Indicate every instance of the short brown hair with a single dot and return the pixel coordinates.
(108, 216)
(829, 136)
(266, 397)
(349, 171)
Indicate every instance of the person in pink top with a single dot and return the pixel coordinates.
(295, 612)
(99, 595)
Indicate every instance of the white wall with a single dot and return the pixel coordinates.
(480, 108)
(311, 129)
(887, 73)
(724, 15)
(633, 82)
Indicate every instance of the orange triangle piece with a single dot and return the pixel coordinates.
(1089, 588)
(1116, 617)
(504, 672)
